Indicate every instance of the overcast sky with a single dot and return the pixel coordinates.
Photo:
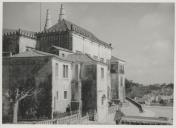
(141, 34)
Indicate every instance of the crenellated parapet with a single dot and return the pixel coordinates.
(50, 33)
(19, 32)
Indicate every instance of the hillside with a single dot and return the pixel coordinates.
(134, 89)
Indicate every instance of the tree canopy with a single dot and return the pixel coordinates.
(134, 89)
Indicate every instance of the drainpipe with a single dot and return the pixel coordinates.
(80, 90)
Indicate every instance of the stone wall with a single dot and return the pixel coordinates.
(61, 39)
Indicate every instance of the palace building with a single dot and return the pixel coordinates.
(71, 64)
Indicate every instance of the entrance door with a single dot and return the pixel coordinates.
(88, 97)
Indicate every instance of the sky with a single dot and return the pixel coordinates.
(142, 34)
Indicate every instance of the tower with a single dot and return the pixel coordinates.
(48, 20)
(61, 14)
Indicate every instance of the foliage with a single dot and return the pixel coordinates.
(44, 99)
(134, 89)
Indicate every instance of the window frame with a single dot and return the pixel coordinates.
(65, 71)
(56, 70)
(121, 81)
(57, 95)
(65, 95)
(102, 73)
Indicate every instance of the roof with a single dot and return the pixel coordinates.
(83, 58)
(59, 48)
(36, 53)
(31, 53)
(80, 57)
(75, 57)
(65, 25)
(19, 32)
(115, 59)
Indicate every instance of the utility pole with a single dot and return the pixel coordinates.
(40, 14)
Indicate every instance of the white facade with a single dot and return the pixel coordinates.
(84, 45)
(60, 85)
(121, 87)
(121, 77)
(25, 42)
(101, 52)
(102, 92)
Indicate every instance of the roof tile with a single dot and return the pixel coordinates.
(67, 25)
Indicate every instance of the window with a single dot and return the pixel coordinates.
(108, 63)
(54, 102)
(65, 71)
(65, 94)
(57, 95)
(121, 81)
(56, 69)
(63, 54)
(103, 99)
(102, 72)
(121, 69)
(55, 52)
(76, 72)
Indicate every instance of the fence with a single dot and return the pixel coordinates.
(72, 119)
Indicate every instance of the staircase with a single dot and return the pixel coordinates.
(135, 103)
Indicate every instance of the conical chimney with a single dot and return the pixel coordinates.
(48, 20)
(61, 14)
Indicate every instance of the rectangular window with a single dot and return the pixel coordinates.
(121, 81)
(56, 70)
(65, 71)
(65, 94)
(57, 95)
(76, 72)
(108, 63)
(54, 102)
(121, 69)
(102, 72)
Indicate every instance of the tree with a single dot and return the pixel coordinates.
(18, 95)
(19, 90)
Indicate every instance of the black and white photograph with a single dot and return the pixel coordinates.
(97, 63)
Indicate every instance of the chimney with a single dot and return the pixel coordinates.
(61, 14)
(48, 20)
